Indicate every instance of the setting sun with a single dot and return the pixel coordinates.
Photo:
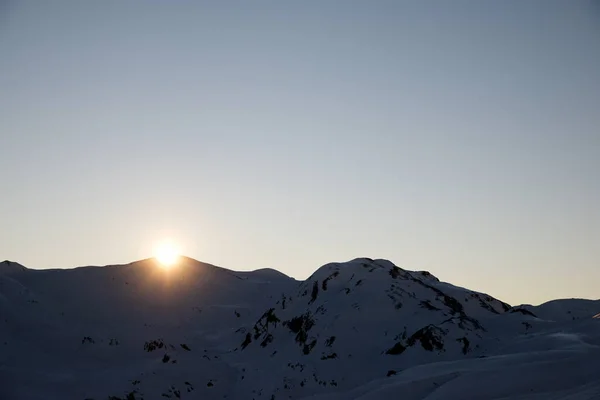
(166, 253)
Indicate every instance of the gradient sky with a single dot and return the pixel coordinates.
(459, 137)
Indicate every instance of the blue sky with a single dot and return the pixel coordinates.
(459, 137)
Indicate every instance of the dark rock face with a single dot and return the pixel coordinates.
(300, 326)
(396, 349)
(430, 337)
(153, 345)
(247, 340)
(315, 292)
(465, 343)
(333, 275)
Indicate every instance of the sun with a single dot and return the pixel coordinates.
(166, 253)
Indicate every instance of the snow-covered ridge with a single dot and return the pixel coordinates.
(359, 329)
(10, 267)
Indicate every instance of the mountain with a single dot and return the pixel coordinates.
(566, 309)
(11, 267)
(363, 329)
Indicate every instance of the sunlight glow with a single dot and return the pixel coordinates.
(166, 253)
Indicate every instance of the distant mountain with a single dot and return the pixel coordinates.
(566, 309)
(360, 329)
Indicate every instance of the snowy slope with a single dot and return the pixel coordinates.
(566, 309)
(365, 312)
(361, 329)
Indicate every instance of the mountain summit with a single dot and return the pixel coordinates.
(363, 329)
(11, 267)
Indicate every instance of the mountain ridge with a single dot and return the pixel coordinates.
(14, 266)
(199, 330)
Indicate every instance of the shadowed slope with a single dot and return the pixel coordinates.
(200, 331)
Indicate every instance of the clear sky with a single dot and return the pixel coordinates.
(460, 137)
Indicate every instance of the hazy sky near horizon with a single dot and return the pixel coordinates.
(458, 137)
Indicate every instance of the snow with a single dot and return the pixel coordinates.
(567, 309)
(363, 329)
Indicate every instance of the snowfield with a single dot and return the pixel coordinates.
(363, 329)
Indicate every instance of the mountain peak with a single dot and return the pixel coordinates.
(11, 267)
(364, 267)
(357, 327)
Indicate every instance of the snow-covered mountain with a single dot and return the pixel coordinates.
(363, 329)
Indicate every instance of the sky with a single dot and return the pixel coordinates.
(457, 137)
